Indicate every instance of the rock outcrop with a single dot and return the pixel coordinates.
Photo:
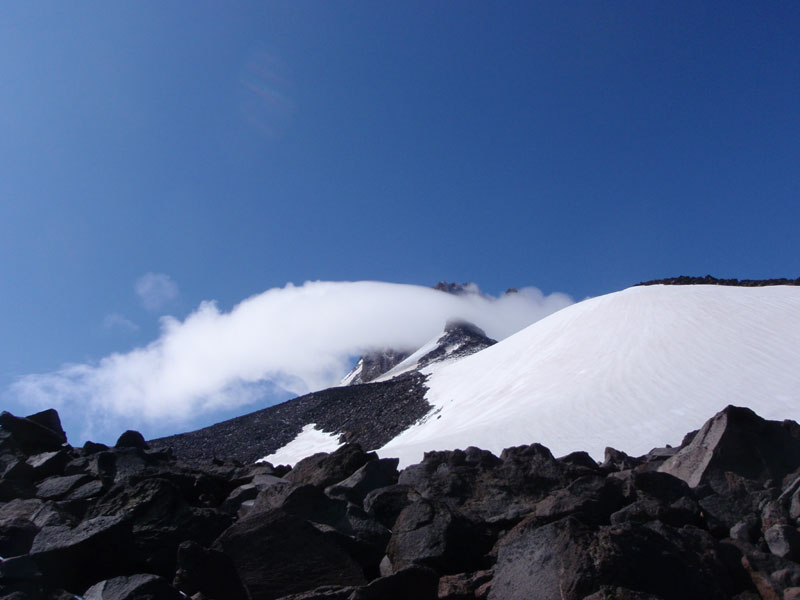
(714, 518)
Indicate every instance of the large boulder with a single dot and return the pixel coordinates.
(432, 534)
(37, 433)
(373, 475)
(737, 441)
(487, 488)
(566, 560)
(160, 519)
(276, 554)
(75, 558)
(324, 469)
(209, 572)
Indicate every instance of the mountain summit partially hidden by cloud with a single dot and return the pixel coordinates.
(297, 338)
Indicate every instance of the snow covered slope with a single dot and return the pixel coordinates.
(625, 370)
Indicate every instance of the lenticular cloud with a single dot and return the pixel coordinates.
(298, 338)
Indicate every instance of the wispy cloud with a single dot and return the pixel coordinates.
(119, 323)
(300, 338)
(155, 290)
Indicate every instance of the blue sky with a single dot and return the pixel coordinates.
(229, 148)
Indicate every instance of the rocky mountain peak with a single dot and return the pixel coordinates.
(374, 364)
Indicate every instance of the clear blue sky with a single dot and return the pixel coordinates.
(235, 146)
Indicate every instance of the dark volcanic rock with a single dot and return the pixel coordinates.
(370, 415)
(74, 558)
(429, 533)
(325, 469)
(487, 488)
(209, 572)
(565, 560)
(131, 439)
(31, 435)
(738, 441)
(419, 583)
(371, 476)
(386, 503)
(709, 280)
(134, 587)
(461, 525)
(276, 554)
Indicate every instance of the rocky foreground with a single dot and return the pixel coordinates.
(715, 518)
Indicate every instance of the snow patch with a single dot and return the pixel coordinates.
(309, 441)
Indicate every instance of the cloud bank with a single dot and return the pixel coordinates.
(298, 338)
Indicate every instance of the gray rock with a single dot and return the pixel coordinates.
(325, 469)
(74, 558)
(55, 488)
(783, 541)
(276, 554)
(736, 440)
(431, 534)
(48, 464)
(133, 587)
(373, 475)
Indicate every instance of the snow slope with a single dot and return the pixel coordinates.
(629, 369)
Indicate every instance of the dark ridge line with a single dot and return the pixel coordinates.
(709, 280)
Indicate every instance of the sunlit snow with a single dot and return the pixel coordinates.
(309, 441)
(634, 369)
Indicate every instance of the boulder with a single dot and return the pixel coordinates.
(591, 498)
(276, 554)
(133, 587)
(373, 475)
(565, 560)
(48, 464)
(738, 441)
(486, 488)
(783, 541)
(55, 488)
(16, 536)
(49, 418)
(324, 469)
(30, 435)
(207, 571)
(160, 519)
(386, 503)
(617, 460)
(431, 534)
(551, 559)
(131, 439)
(74, 558)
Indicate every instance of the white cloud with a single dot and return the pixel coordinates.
(155, 290)
(300, 338)
(118, 322)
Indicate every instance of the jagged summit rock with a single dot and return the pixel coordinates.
(373, 364)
